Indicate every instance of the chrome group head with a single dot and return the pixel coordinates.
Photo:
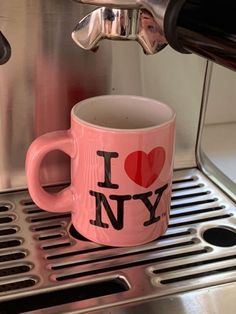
(139, 20)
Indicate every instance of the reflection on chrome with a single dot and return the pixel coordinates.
(120, 24)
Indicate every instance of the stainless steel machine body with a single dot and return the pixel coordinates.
(45, 267)
(47, 74)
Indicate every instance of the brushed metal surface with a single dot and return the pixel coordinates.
(216, 144)
(42, 256)
(217, 300)
(47, 74)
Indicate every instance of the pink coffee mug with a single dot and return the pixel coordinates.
(121, 150)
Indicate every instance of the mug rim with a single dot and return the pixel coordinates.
(122, 130)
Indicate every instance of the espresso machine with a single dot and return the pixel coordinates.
(54, 53)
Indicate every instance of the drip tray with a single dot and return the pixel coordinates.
(45, 265)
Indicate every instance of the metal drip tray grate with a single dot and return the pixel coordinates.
(44, 260)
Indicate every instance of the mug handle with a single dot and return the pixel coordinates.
(58, 140)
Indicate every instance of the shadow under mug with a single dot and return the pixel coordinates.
(122, 151)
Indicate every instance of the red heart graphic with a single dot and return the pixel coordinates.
(144, 168)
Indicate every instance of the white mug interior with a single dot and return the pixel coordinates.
(123, 112)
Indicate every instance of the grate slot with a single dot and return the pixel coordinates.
(28, 202)
(199, 275)
(6, 219)
(185, 180)
(5, 207)
(108, 258)
(131, 264)
(4, 272)
(7, 231)
(50, 236)
(10, 243)
(74, 253)
(56, 246)
(195, 264)
(196, 212)
(192, 195)
(207, 201)
(16, 286)
(12, 256)
(189, 187)
(35, 210)
(64, 296)
(175, 235)
(51, 217)
(105, 248)
(190, 222)
(47, 227)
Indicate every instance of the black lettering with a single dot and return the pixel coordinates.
(107, 166)
(101, 199)
(151, 208)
